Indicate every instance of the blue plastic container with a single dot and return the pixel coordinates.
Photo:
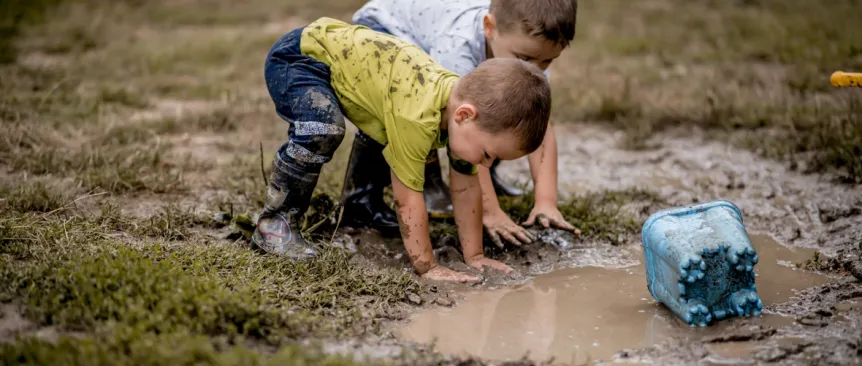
(700, 262)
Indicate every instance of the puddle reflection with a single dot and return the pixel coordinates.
(590, 313)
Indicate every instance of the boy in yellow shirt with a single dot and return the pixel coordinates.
(406, 104)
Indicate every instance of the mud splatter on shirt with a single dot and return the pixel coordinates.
(390, 89)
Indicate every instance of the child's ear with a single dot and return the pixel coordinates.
(489, 24)
(466, 112)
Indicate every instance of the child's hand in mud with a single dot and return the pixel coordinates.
(481, 261)
(500, 226)
(549, 215)
(440, 273)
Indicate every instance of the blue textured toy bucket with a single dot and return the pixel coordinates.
(699, 262)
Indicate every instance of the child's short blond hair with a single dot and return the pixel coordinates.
(553, 20)
(510, 95)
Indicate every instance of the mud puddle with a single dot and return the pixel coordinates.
(589, 313)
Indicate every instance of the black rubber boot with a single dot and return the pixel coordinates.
(438, 199)
(500, 187)
(362, 194)
(287, 198)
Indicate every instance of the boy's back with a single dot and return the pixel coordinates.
(449, 30)
(390, 89)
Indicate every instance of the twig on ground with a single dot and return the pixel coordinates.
(337, 223)
(72, 203)
(262, 171)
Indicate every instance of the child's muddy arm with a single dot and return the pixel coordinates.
(543, 168)
(413, 219)
(467, 202)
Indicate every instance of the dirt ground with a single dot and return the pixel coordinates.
(134, 134)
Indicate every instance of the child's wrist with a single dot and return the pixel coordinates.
(470, 259)
(490, 206)
(424, 265)
(546, 200)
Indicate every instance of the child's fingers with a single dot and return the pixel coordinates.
(504, 268)
(546, 222)
(524, 236)
(495, 237)
(527, 233)
(465, 278)
(563, 224)
(510, 238)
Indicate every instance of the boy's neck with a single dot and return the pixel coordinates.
(489, 54)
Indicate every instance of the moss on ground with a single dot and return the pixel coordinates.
(131, 348)
(599, 215)
(71, 272)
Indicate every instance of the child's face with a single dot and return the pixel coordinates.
(515, 44)
(469, 142)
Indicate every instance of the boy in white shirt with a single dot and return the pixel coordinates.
(461, 34)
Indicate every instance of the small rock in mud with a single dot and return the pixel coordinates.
(819, 318)
(560, 239)
(345, 242)
(220, 220)
(444, 301)
(413, 298)
(791, 233)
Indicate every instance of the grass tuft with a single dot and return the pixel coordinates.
(128, 347)
(598, 215)
(33, 197)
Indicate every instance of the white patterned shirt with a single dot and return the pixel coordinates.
(449, 30)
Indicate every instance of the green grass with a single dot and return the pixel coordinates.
(32, 197)
(155, 349)
(598, 215)
(70, 271)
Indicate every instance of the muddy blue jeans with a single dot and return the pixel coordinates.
(300, 88)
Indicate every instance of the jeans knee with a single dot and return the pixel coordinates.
(329, 141)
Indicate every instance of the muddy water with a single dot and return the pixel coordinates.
(590, 313)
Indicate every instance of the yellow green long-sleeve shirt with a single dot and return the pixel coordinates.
(390, 89)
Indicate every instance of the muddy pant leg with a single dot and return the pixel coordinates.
(300, 88)
(313, 138)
